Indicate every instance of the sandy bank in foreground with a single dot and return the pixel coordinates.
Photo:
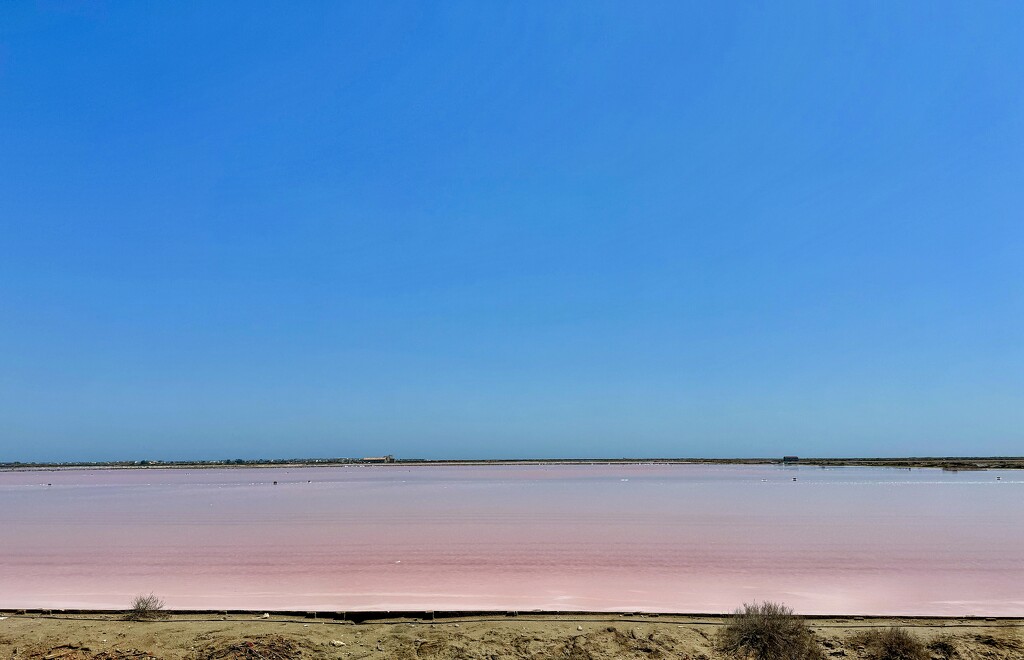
(599, 636)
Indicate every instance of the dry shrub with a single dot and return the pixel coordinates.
(944, 648)
(146, 608)
(767, 631)
(892, 644)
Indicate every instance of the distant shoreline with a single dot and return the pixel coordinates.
(953, 463)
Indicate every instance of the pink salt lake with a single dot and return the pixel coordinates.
(685, 538)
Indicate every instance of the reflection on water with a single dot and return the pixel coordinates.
(693, 538)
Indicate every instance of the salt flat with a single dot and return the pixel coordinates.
(683, 538)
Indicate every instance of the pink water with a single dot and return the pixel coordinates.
(691, 538)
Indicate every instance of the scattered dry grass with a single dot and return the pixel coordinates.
(1008, 643)
(259, 647)
(75, 652)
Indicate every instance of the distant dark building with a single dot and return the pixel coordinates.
(379, 459)
(790, 459)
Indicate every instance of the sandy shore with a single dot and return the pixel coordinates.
(579, 637)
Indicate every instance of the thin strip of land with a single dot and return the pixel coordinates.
(941, 462)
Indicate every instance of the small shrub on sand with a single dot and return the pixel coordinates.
(146, 607)
(944, 648)
(767, 631)
(892, 644)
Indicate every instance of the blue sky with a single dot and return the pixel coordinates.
(510, 229)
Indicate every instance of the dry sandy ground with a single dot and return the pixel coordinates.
(76, 637)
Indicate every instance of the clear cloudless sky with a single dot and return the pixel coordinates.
(502, 229)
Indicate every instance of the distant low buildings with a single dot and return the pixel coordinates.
(790, 459)
(379, 459)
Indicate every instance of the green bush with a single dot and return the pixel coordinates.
(767, 631)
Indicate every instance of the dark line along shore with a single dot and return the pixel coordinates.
(940, 462)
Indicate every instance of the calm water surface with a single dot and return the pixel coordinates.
(611, 537)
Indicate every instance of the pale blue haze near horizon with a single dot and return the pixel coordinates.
(486, 230)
